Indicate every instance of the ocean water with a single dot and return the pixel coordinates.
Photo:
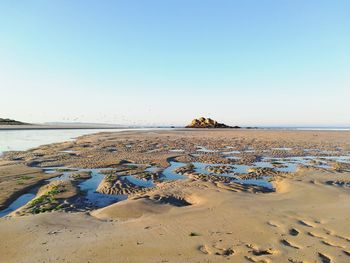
(323, 129)
(306, 128)
(20, 140)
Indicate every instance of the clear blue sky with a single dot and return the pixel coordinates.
(262, 62)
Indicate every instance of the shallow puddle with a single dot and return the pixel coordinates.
(94, 199)
(19, 202)
(139, 182)
(169, 174)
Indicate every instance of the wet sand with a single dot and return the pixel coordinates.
(16, 179)
(201, 218)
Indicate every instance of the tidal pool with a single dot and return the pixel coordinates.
(94, 199)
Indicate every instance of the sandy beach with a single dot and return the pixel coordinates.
(189, 196)
(174, 131)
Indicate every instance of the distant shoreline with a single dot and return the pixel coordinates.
(58, 127)
(106, 127)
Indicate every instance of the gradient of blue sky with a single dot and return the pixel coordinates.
(262, 62)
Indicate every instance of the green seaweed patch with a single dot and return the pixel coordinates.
(41, 200)
(20, 180)
(55, 190)
(46, 202)
(131, 166)
(25, 177)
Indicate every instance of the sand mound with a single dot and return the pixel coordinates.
(50, 197)
(280, 186)
(131, 209)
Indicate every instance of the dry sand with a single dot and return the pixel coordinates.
(307, 219)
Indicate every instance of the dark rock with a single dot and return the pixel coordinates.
(207, 123)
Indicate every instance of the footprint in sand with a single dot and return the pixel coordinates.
(292, 260)
(341, 237)
(254, 259)
(305, 223)
(328, 232)
(204, 249)
(262, 252)
(289, 244)
(259, 253)
(315, 235)
(295, 260)
(331, 233)
(270, 223)
(293, 232)
(221, 251)
(319, 221)
(332, 244)
(225, 252)
(228, 252)
(324, 258)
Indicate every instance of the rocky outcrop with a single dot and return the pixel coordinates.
(207, 123)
